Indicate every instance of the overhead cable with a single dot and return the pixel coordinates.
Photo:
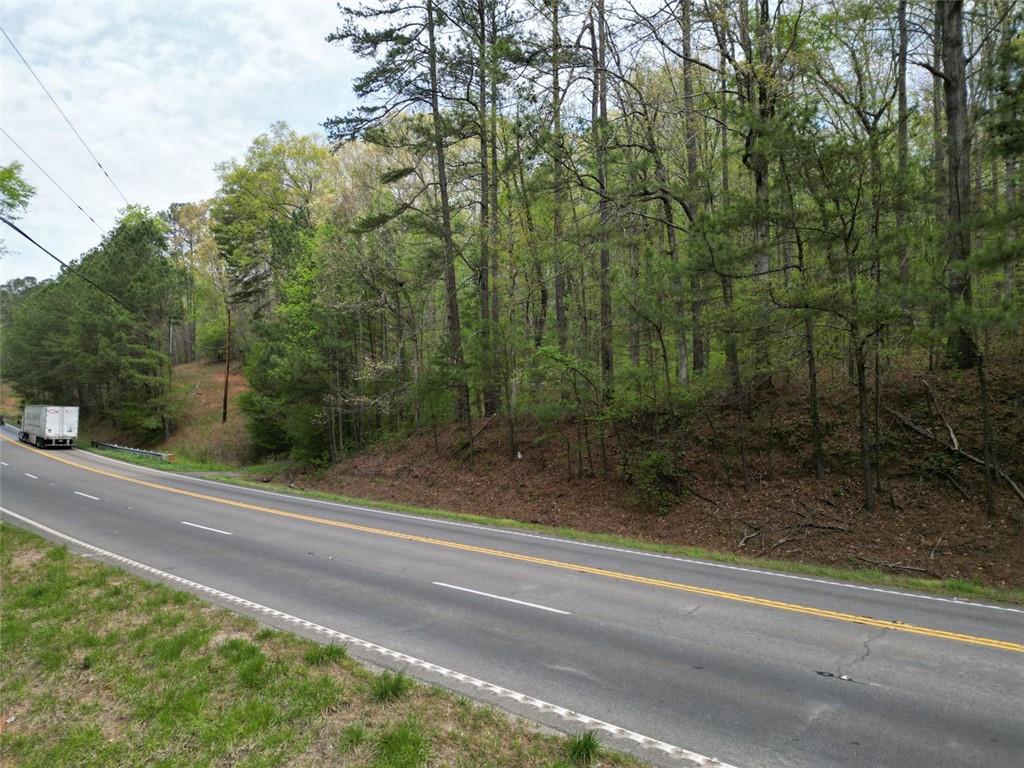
(53, 180)
(66, 119)
(68, 267)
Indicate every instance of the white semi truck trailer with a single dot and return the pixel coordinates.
(47, 425)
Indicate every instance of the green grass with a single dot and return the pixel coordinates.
(583, 748)
(390, 686)
(245, 477)
(325, 654)
(352, 736)
(180, 463)
(99, 668)
(402, 746)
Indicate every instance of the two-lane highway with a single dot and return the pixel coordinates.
(756, 669)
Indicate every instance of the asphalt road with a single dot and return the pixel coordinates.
(704, 660)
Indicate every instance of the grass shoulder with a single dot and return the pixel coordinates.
(248, 476)
(103, 668)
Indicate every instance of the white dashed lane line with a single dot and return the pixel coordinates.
(94, 498)
(29, 474)
(499, 597)
(564, 713)
(207, 528)
(4, 463)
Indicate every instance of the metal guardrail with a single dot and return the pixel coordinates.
(114, 446)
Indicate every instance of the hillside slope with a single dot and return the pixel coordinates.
(197, 431)
(759, 501)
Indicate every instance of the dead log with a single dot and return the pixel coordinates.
(955, 450)
(894, 566)
(935, 405)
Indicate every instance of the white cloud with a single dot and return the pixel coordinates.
(161, 92)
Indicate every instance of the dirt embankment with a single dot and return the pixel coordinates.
(758, 498)
(197, 431)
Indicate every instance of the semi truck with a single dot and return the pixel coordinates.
(49, 425)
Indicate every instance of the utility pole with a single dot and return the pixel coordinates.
(227, 368)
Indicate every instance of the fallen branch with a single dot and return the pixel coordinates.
(955, 451)
(749, 536)
(810, 514)
(935, 405)
(485, 426)
(699, 495)
(894, 566)
(953, 481)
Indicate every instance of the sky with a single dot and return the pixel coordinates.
(161, 91)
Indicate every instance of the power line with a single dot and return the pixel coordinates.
(54, 181)
(69, 268)
(66, 119)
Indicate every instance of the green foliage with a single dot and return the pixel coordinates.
(211, 339)
(655, 479)
(67, 342)
(1004, 116)
(776, 220)
(15, 192)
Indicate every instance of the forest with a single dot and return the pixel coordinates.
(605, 214)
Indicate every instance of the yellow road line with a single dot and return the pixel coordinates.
(821, 613)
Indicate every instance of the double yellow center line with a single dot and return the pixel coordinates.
(821, 613)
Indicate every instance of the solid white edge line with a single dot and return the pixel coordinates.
(497, 529)
(29, 474)
(94, 498)
(539, 704)
(207, 528)
(499, 597)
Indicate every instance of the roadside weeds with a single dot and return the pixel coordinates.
(100, 667)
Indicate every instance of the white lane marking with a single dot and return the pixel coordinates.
(28, 474)
(496, 529)
(94, 498)
(499, 597)
(539, 704)
(5, 463)
(207, 528)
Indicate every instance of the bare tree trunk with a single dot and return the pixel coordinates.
(483, 266)
(1011, 201)
(561, 321)
(495, 394)
(962, 346)
(756, 160)
(450, 283)
(817, 451)
(672, 240)
(600, 42)
(692, 150)
(902, 145)
(938, 152)
(867, 475)
(732, 358)
(518, 177)
(227, 368)
(986, 438)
